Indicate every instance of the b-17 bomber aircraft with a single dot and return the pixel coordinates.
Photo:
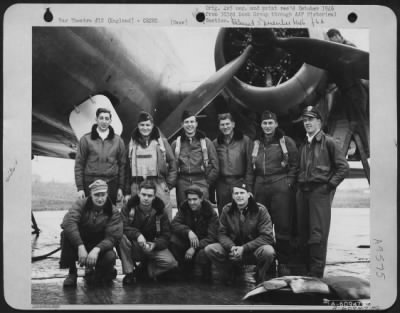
(78, 69)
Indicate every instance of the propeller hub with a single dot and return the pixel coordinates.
(268, 65)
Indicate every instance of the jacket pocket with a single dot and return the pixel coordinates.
(92, 164)
(325, 188)
(321, 170)
(251, 229)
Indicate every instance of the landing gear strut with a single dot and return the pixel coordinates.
(35, 228)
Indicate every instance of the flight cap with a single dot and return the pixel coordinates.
(241, 186)
(144, 116)
(311, 111)
(194, 189)
(98, 186)
(186, 114)
(268, 115)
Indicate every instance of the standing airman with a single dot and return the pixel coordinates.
(150, 157)
(101, 155)
(234, 156)
(275, 159)
(196, 158)
(323, 167)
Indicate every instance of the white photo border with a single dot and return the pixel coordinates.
(18, 22)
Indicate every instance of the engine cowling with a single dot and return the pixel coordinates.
(271, 78)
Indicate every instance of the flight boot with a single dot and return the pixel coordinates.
(109, 275)
(283, 270)
(70, 280)
(129, 279)
(228, 275)
(284, 249)
(206, 273)
(261, 276)
(317, 259)
(186, 271)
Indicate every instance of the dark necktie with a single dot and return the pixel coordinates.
(242, 216)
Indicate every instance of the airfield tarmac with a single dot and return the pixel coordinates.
(350, 229)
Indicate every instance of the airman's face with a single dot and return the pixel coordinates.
(240, 196)
(269, 126)
(194, 201)
(190, 125)
(145, 128)
(226, 126)
(99, 198)
(311, 124)
(103, 121)
(146, 196)
(336, 38)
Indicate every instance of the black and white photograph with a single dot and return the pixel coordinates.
(187, 166)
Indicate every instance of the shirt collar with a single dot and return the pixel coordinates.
(145, 210)
(244, 210)
(229, 139)
(103, 135)
(310, 138)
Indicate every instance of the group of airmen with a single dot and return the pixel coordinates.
(269, 192)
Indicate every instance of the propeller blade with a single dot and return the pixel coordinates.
(203, 94)
(328, 55)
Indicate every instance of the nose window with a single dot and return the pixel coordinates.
(83, 116)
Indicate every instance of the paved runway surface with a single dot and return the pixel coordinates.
(349, 229)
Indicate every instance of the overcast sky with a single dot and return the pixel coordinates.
(197, 54)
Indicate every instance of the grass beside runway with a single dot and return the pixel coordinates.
(352, 193)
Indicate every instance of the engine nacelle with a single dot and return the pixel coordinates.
(287, 84)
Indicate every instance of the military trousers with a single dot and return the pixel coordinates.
(313, 224)
(263, 257)
(279, 199)
(157, 261)
(179, 246)
(69, 255)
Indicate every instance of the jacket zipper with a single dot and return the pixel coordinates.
(264, 160)
(190, 152)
